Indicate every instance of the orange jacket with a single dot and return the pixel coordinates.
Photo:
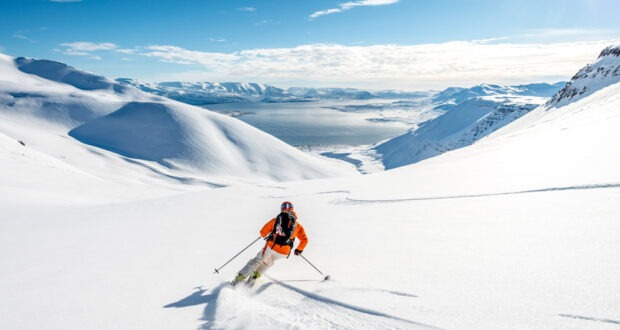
(299, 232)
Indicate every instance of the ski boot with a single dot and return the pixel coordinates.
(239, 278)
(252, 279)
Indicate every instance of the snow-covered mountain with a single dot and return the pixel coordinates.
(204, 93)
(470, 114)
(452, 96)
(350, 94)
(459, 94)
(54, 108)
(603, 72)
(470, 117)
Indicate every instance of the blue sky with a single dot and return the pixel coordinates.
(375, 44)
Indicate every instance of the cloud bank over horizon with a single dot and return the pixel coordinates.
(402, 67)
(428, 66)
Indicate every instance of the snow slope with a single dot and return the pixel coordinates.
(47, 103)
(461, 126)
(516, 231)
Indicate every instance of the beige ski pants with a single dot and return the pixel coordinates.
(263, 260)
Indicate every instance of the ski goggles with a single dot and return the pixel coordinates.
(286, 205)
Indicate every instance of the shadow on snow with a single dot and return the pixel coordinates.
(199, 298)
(209, 298)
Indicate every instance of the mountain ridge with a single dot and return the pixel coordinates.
(603, 72)
(204, 93)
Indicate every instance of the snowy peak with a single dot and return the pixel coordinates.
(603, 72)
(610, 51)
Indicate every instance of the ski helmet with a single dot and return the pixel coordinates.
(286, 205)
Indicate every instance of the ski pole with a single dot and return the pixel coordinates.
(325, 278)
(217, 270)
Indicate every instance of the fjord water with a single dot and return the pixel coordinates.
(313, 123)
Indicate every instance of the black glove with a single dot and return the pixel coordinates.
(269, 237)
(298, 252)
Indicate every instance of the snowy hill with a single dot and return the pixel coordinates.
(47, 103)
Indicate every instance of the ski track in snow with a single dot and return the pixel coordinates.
(317, 193)
(333, 192)
(588, 318)
(349, 200)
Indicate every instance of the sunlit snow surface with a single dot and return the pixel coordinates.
(519, 231)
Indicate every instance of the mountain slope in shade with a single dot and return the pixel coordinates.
(464, 124)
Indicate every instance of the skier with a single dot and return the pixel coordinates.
(279, 233)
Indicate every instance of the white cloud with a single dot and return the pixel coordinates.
(86, 48)
(179, 55)
(126, 51)
(89, 46)
(428, 66)
(73, 52)
(23, 37)
(246, 9)
(566, 34)
(350, 5)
